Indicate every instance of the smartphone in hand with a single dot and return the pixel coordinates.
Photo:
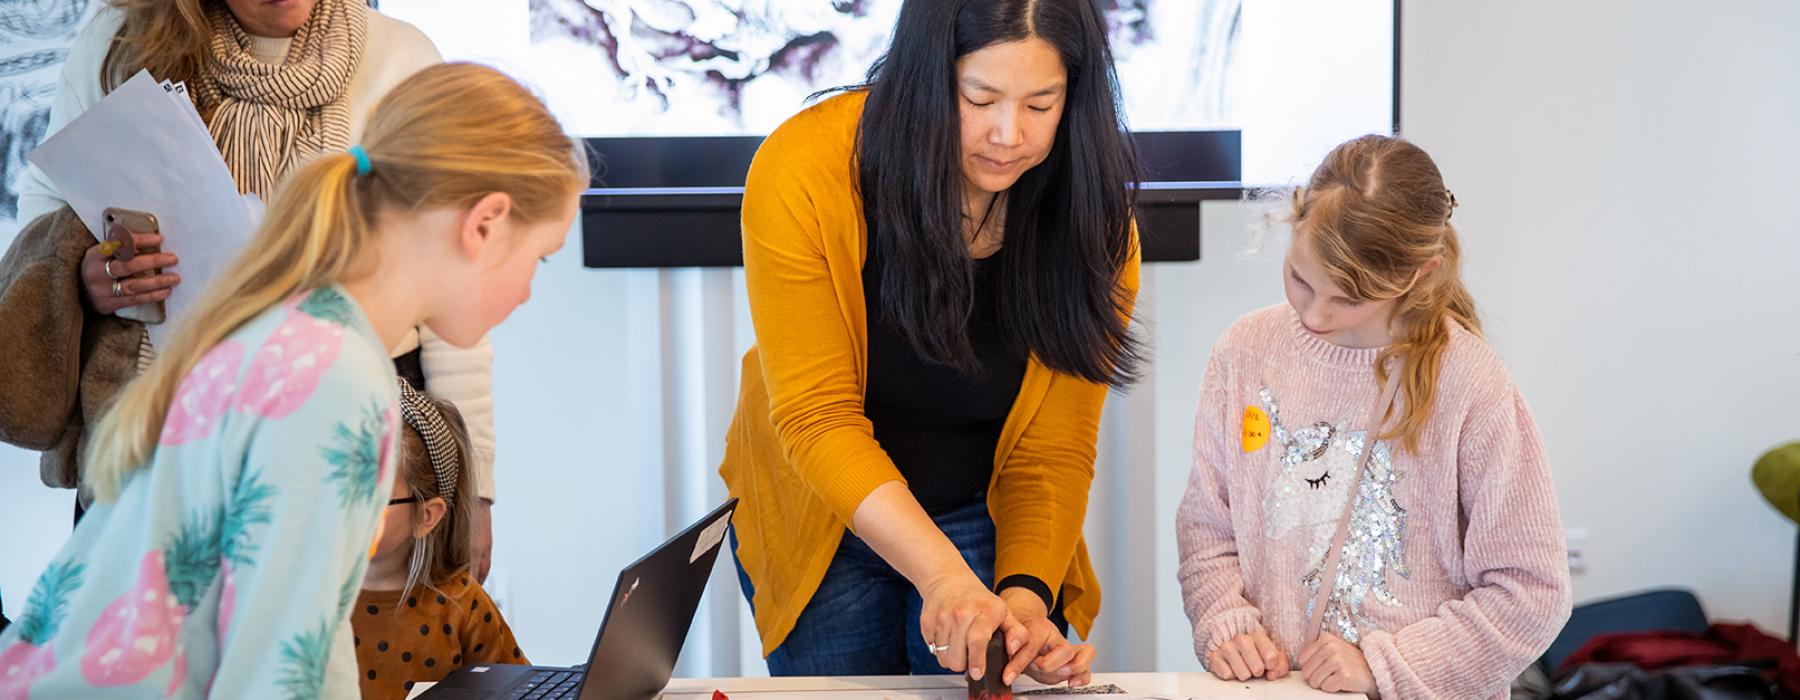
(120, 224)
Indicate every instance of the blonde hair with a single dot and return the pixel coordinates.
(445, 550)
(1375, 213)
(170, 38)
(443, 138)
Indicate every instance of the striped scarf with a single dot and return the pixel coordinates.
(267, 118)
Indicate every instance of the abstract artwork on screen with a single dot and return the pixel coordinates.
(740, 67)
(34, 41)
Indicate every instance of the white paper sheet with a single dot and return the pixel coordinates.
(144, 147)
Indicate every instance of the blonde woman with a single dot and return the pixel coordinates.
(277, 83)
(239, 480)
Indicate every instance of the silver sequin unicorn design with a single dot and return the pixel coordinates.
(1318, 463)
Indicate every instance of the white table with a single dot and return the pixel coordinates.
(1177, 686)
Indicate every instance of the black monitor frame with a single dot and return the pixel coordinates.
(631, 224)
(674, 201)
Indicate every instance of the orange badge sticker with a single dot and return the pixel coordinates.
(1256, 429)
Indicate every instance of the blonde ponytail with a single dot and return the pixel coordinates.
(1425, 315)
(445, 137)
(1376, 212)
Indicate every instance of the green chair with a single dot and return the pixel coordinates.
(1777, 476)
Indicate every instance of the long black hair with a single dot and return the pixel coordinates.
(1068, 220)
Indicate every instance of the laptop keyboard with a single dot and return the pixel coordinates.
(549, 685)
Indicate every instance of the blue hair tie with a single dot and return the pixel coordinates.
(363, 165)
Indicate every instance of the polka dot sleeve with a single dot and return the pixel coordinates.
(486, 636)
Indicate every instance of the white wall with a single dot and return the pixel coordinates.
(1627, 174)
(1627, 178)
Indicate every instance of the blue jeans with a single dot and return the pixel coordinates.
(864, 619)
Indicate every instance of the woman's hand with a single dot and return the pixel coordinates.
(1336, 666)
(960, 616)
(100, 272)
(1047, 656)
(1249, 655)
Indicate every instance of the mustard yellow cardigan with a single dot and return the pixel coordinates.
(801, 455)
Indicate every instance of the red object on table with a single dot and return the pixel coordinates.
(719, 695)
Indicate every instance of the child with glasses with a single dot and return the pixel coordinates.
(421, 614)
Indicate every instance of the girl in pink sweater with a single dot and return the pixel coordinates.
(1443, 548)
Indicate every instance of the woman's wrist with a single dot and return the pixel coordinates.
(1026, 586)
(955, 572)
(1024, 603)
(893, 524)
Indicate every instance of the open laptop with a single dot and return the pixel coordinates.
(646, 621)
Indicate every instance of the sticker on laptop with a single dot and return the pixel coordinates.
(633, 589)
(709, 538)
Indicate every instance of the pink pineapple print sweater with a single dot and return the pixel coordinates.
(1453, 577)
(228, 564)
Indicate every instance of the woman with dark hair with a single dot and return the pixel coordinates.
(941, 266)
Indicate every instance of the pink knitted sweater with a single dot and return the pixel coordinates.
(1454, 576)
